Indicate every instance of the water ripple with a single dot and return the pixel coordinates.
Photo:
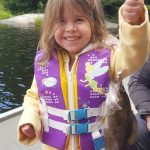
(17, 50)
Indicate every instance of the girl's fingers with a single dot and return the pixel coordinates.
(28, 130)
(142, 1)
(134, 3)
(148, 122)
(133, 11)
(130, 18)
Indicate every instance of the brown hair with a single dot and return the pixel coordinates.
(54, 8)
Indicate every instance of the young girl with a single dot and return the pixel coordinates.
(73, 69)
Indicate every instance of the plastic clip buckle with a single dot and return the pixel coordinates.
(77, 114)
(79, 128)
(99, 143)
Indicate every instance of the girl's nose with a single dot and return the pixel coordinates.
(71, 28)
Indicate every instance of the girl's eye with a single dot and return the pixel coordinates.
(61, 20)
(79, 20)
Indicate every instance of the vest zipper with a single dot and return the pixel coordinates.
(71, 99)
(71, 104)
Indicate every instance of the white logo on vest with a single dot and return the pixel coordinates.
(49, 82)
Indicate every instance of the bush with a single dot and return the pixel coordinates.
(111, 8)
(148, 7)
(40, 6)
(24, 6)
(4, 13)
(38, 23)
(18, 8)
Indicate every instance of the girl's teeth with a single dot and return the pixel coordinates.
(71, 38)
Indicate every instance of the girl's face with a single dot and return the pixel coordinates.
(73, 31)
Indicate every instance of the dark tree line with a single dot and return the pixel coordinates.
(26, 6)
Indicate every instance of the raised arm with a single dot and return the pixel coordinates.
(134, 38)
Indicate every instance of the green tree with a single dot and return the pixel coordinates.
(111, 8)
(40, 6)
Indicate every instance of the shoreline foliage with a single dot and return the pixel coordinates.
(19, 7)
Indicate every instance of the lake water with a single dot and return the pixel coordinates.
(17, 51)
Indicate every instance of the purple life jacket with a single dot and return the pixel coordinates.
(92, 74)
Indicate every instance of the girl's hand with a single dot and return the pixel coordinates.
(28, 130)
(148, 122)
(133, 11)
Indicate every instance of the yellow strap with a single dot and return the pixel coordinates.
(63, 79)
(75, 88)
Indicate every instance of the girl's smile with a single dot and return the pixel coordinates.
(72, 38)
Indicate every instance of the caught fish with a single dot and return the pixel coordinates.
(121, 127)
